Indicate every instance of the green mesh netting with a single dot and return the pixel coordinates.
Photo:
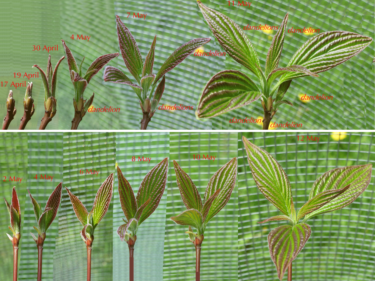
(342, 245)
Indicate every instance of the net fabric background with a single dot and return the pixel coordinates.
(341, 246)
(45, 153)
(148, 251)
(219, 249)
(13, 163)
(84, 151)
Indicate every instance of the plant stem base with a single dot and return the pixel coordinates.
(76, 120)
(145, 120)
(45, 120)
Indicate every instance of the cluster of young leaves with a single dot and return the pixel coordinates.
(50, 81)
(80, 80)
(46, 217)
(332, 191)
(138, 209)
(218, 192)
(14, 211)
(143, 71)
(229, 89)
(90, 220)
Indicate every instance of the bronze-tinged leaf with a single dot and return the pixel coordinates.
(208, 203)
(49, 70)
(160, 90)
(15, 220)
(54, 77)
(146, 83)
(36, 206)
(80, 85)
(285, 243)
(277, 218)
(8, 205)
(79, 209)
(115, 75)
(140, 210)
(131, 226)
(98, 64)
(102, 200)
(179, 55)
(149, 61)
(189, 193)
(152, 186)
(129, 50)
(44, 219)
(47, 92)
(15, 201)
(127, 198)
(53, 203)
(225, 180)
(70, 58)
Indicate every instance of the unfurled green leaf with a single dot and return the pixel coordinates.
(149, 61)
(282, 90)
(70, 58)
(102, 200)
(277, 218)
(78, 208)
(274, 52)
(129, 50)
(98, 64)
(152, 187)
(36, 206)
(270, 178)
(358, 177)
(208, 203)
(225, 180)
(232, 39)
(139, 212)
(290, 72)
(285, 243)
(179, 55)
(319, 201)
(227, 90)
(53, 203)
(127, 198)
(189, 193)
(190, 217)
(114, 75)
(329, 49)
(47, 92)
(54, 77)
(44, 219)
(146, 82)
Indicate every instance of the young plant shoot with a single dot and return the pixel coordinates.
(14, 211)
(332, 191)
(91, 220)
(50, 82)
(11, 110)
(232, 89)
(28, 105)
(143, 71)
(81, 80)
(198, 214)
(137, 210)
(44, 220)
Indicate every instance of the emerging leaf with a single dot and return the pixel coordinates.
(129, 50)
(160, 90)
(270, 178)
(190, 217)
(140, 210)
(102, 200)
(329, 49)
(274, 52)
(80, 85)
(98, 64)
(225, 180)
(282, 90)
(15, 201)
(208, 203)
(127, 198)
(358, 177)
(149, 61)
(47, 92)
(226, 91)
(179, 55)
(285, 243)
(152, 187)
(37, 208)
(114, 75)
(129, 229)
(8, 206)
(78, 208)
(319, 201)
(146, 82)
(189, 193)
(231, 38)
(44, 220)
(69, 56)
(15, 220)
(53, 204)
(87, 232)
(54, 77)
(277, 218)
(290, 72)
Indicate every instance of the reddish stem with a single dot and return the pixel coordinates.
(131, 263)
(290, 273)
(146, 119)
(40, 258)
(15, 262)
(45, 120)
(89, 249)
(198, 263)
(76, 120)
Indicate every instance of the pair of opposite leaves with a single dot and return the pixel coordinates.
(332, 191)
(230, 89)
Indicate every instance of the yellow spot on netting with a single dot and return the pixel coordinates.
(260, 123)
(269, 37)
(308, 32)
(90, 108)
(169, 108)
(116, 165)
(304, 100)
(199, 50)
(338, 136)
(265, 229)
(267, 31)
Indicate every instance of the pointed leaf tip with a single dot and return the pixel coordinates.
(79, 209)
(126, 193)
(102, 200)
